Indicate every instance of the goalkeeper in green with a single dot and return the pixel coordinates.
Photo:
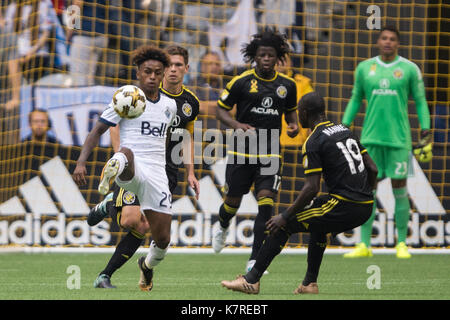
(387, 81)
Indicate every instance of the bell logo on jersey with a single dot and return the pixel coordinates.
(147, 130)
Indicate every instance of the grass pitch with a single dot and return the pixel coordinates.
(197, 277)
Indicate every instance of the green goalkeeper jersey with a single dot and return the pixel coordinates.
(387, 87)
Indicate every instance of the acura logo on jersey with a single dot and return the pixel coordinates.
(147, 130)
(384, 88)
(267, 102)
(384, 83)
(176, 121)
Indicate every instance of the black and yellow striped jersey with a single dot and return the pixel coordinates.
(260, 102)
(334, 151)
(188, 107)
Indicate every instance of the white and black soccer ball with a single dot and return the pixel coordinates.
(129, 102)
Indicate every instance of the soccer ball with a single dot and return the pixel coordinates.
(129, 102)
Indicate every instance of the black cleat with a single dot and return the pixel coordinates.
(103, 281)
(99, 212)
(145, 282)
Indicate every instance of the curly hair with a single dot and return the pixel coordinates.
(148, 52)
(268, 38)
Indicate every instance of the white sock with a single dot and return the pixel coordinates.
(123, 161)
(155, 255)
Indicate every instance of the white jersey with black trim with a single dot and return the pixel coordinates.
(145, 135)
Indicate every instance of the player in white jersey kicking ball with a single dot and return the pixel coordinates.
(139, 165)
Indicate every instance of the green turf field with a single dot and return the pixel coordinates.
(198, 276)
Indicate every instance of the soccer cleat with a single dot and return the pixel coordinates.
(99, 212)
(402, 251)
(361, 251)
(310, 288)
(241, 285)
(146, 279)
(218, 241)
(250, 265)
(103, 281)
(109, 172)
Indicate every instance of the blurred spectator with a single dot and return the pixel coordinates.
(7, 44)
(209, 83)
(88, 42)
(59, 6)
(32, 26)
(40, 124)
(126, 21)
(303, 87)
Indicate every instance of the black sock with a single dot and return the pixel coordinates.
(259, 228)
(124, 251)
(271, 247)
(226, 213)
(316, 248)
(114, 212)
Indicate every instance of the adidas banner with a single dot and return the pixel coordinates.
(40, 205)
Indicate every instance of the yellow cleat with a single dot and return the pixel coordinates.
(361, 251)
(402, 251)
(109, 173)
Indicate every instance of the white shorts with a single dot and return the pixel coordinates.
(151, 185)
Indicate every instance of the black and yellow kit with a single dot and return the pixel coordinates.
(188, 107)
(261, 104)
(334, 151)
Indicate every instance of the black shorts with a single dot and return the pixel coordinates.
(240, 177)
(328, 214)
(122, 198)
(172, 176)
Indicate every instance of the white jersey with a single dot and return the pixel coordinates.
(146, 134)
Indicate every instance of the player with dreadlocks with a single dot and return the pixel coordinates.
(261, 96)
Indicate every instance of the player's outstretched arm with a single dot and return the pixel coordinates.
(79, 174)
(307, 194)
